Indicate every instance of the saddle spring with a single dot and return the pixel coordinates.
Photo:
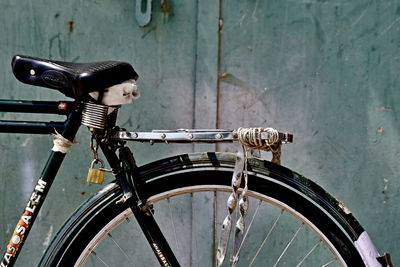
(94, 115)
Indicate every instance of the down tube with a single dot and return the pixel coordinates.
(32, 209)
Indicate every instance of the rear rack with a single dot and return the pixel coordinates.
(192, 136)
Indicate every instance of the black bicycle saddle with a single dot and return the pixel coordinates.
(72, 79)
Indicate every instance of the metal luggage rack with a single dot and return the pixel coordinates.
(192, 136)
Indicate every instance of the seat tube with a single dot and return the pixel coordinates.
(40, 191)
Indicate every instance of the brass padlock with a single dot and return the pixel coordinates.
(96, 176)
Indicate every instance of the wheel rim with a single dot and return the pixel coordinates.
(318, 250)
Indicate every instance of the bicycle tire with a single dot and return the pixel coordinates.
(293, 195)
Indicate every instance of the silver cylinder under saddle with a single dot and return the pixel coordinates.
(94, 115)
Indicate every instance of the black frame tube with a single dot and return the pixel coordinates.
(40, 191)
(34, 127)
(27, 106)
(125, 175)
(28, 127)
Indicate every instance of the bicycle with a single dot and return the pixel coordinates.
(278, 208)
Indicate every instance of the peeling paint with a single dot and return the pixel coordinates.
(55, 39)
(166, 7)
(27, 141)
(384, 109)
(385, 188)
(70, 25)
(152, 29)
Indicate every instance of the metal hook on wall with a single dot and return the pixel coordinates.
(143, 12)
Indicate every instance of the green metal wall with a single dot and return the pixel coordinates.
(325, 70)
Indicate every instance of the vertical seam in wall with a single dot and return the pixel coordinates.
(196, 40)
(220, 26)
(219, 61)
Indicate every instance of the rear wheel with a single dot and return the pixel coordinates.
(291, 221)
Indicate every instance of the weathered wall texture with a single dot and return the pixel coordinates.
(325, 70)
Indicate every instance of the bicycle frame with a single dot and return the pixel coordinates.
(123, 169)
(122, 166)
(77, 80)
(47, 107)
(68, 129)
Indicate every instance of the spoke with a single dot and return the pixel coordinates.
(95, 254)
(173, 224)
(288, 245)
(328, 263)
(249, 227)
(123, 252)
(215, 242)
(194, 258)
(266, 238)
(309, 253)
